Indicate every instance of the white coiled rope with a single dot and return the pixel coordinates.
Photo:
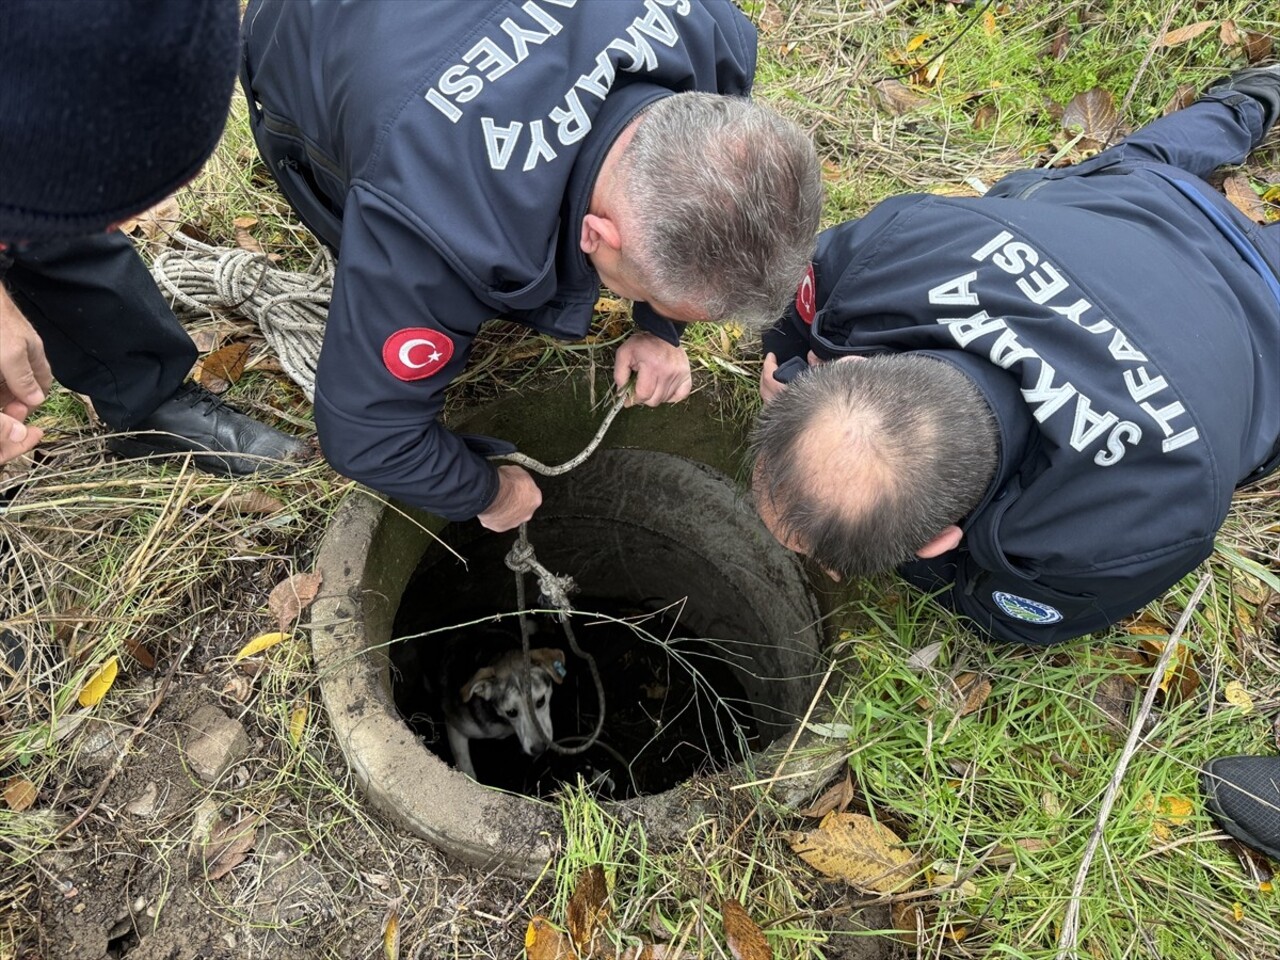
(289, 308)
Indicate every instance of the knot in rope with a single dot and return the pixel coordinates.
(555, 589)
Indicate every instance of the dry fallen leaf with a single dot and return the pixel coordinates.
(1093, 115)
(1257, 46)
(1180, 35)
(836, 797)
(99, 683)
(290, 597)
(229, 845)
(254, 501)
(1061, 44)
(1242, 196)
(1181, 679)
(771, 18)
(222, 368)
(161, 220)
(138, 650)
(743, 935)
(244, 239)
(19, 793)
(925, 657)
(896, 97)
(1229, 35)
(1183, 96)
(588, 906)
(986, 116)
(974, 691)
(908, 921)
(542, 941)
(260, 643)
(854, 848)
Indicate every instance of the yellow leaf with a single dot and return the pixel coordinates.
(19, 793)
(856, 849)
(989, 22)
(1169, 812)
(1265, 887)
(99, 683)
(542, 941)
(298, 723)
(1237, 911)
(917, 41)
(260, 643)
(391, 936)
(1237, 694)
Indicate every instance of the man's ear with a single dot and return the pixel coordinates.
(599, 231)
(944, 542)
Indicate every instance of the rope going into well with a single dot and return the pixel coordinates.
(289, 308)
(555, 589)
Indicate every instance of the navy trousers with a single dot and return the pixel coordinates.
(107, 330)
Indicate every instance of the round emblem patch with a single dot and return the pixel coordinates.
(807, 297)
(1028, 611)
(416, 352)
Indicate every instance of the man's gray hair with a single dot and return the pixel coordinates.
(725, 196)
(865, 462)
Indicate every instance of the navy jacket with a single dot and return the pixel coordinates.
(448, 150)
(1131, 356)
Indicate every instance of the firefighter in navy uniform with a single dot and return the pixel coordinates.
(1098, 350)
(1119, 319)
(463, 160)
(87, 144)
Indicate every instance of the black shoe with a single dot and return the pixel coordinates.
(1260, 83)
(1243, 795)
(220, 439)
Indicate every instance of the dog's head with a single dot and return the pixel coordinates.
(503, 686)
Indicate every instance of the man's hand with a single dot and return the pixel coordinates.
(518, 497)
(24, 379)
(662, 371)
(769, 387)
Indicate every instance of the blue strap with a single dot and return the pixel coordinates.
(1248, 252)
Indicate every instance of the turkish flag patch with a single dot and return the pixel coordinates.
(416, 352)
(807, 297)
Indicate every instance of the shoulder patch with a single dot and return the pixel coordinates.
(1028, 611)
(416, 352)
(807, 297)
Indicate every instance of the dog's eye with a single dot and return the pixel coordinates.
(539, 702)
(510, 713)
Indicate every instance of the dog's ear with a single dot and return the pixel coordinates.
(551, 660)
(480, 685)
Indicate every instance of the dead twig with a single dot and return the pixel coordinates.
(1071, 922)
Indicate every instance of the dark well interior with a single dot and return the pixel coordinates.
(718, 654)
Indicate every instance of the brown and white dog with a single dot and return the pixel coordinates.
(482, 682)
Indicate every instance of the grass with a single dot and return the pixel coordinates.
(997, 804)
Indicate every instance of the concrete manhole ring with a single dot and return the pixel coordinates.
(696, 538)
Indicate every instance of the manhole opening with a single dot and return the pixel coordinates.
(674, 705)
(701, 655)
